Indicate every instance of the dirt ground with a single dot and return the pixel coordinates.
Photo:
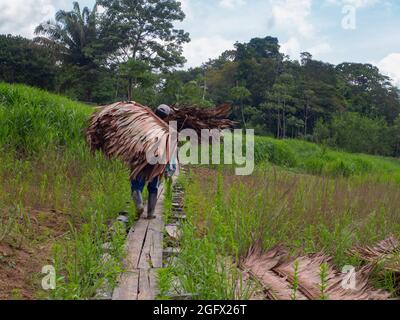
(22, 257)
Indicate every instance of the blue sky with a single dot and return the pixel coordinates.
(300, 25)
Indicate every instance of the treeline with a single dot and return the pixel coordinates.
(351, 106)
(131, 51)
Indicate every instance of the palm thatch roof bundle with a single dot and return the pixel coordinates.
(131, 132)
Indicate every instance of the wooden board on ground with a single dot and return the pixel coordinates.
(136, 239)
(144, 257)
(147, 284)
(151, 254)
(128, 286)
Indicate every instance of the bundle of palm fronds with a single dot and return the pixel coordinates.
(202, 118)
(132, 132)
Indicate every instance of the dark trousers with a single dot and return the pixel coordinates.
(139, 183)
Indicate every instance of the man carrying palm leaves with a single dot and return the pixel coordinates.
(130, 131)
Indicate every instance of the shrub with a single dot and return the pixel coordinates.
(275, 151)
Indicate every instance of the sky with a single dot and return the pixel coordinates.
(334, 31)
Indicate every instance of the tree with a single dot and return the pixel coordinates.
(356, 133)
(24, 61)
(368, 92)
(395, 134)
(305, 57)
(75, 35)
(309, 98)
(259, 63)
(143, 30)
(239, 94)
(281, 100)
(137, 73)
(193, 94)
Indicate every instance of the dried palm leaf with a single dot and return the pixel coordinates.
(308, 273)
(275, 270)
(362, 290)
(202, 118)
(309, 279)
(259, 265)
(386, 252)
(131, 132)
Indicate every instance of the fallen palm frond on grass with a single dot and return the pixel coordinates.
(132, 132)
(385, 253)
(277, 272)
(259, 266)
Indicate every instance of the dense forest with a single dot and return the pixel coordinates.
(132, 51)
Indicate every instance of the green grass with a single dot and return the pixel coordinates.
(308, 214)
(306, 196)
(306, 157)
(45, 166)
(33, 120)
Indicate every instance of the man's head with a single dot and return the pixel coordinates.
(163, 111)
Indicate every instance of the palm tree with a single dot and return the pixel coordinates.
(74, 34)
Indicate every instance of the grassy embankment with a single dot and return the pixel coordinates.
(56, 201)
(307, 197)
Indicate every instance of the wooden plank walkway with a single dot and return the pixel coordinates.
(144, 256)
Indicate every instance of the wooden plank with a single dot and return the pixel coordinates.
(169, 252)
(144, 255)
(147, 284)
(138, 248)
(177, 216)
(144, 285)
(136, 239)
(151, 255)
(128, 287)
(173, 231)
(156, 247)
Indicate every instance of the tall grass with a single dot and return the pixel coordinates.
(308, 214)
(33, 120)
(46, 166)
(310, 158)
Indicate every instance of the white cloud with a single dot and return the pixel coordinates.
(292, 16)
(390, 65)
(355, 3)
(320, 49)
(201, 49)
(22, 16)
(187, 9)
(291, 47)
(230, 4)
